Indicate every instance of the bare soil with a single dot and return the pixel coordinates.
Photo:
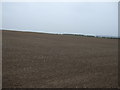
(39, 60)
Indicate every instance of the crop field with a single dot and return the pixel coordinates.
(41, 60)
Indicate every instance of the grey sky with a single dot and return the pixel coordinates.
(99, 18)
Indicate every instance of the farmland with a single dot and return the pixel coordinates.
(41, 60)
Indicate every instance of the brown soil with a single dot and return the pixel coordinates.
(38, 60)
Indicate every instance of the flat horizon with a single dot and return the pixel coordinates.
(62, 33)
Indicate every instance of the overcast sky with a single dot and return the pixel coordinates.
(97, 18)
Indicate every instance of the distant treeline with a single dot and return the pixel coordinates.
(97, 36)
(93, 36)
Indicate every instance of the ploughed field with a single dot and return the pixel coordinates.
(39, 60)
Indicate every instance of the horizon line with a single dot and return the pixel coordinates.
(75, 34)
